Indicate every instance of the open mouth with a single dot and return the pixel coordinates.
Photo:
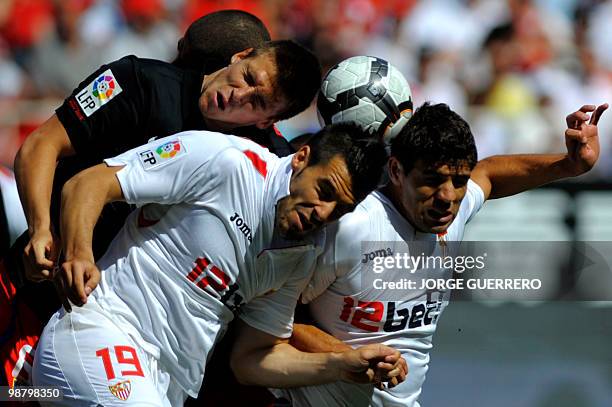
(220, 102)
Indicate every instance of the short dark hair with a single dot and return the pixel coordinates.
(211, 40)
(364, 154)
(298, 74)
(436, 135)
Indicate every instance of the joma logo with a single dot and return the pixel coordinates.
(242, 226)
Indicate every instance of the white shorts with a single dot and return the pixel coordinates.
(95, 363)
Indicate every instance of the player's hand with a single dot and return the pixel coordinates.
(76, 279)
(40, 256)
(581, 138)
(373, 364)
(392, 371)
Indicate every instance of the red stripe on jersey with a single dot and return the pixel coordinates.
(260, 165)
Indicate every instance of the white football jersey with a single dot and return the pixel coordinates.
(182, 267)
(358, 314)
(13, 212)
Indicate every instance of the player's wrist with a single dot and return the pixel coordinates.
(337, 365)
(569, 168)
(79, 252)
(39, 225)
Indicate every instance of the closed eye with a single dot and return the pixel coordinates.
(327, 192)
(249, 78)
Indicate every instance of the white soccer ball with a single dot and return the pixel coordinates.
(366, 90)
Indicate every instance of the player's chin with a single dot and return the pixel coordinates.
(437, 227)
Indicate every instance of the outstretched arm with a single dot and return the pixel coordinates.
(505, 175)
(83, 198)
(264, 360)
(34, 169)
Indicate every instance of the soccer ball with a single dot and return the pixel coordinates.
(366, 90)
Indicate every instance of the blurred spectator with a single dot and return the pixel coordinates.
(147, 33)
(62, 59)
(12, 78)
(264, 10)
(23, 23)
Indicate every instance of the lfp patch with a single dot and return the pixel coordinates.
(169, 150)
(162, 154)
(99, 92)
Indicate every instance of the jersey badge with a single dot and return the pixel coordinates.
(99, 92)
(121, 390)
(162, 154)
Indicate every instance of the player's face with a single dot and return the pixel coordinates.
(429, 194)
(242, 94)
(319, 194)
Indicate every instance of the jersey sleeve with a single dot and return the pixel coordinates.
(341, 255)
(273, 312)
(179, 168)
(104, 107)
(472, 202)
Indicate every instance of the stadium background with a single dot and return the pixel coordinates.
(513, 68)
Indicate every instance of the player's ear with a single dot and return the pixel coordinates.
(299, 161)
(238, 56)
(395, 170)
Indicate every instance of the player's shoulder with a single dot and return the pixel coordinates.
(355, 227)
(152, 68)
(471, 203)
(128, 65)
(229, 152)
(363, 222)
(143, 72)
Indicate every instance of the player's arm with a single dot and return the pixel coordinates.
(264, 360)
(506, 175)
(34, 169)
(139, 178)
(309, 338)
(83, 198)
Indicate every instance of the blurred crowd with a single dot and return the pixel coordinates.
(513, 68)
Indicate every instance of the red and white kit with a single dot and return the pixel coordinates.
(342, 306)
(177, 273)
